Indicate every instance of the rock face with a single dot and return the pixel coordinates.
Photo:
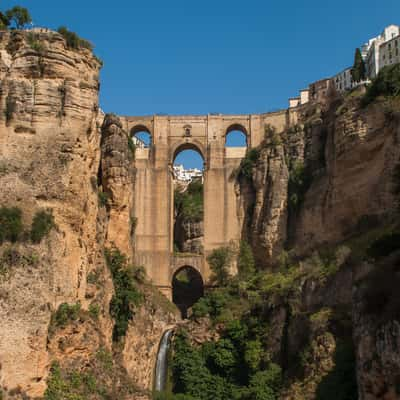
(117, 178)
(189, 236)
(330, 177)
(265, 201)
(49, 141)
(377, 329)
(59, 154)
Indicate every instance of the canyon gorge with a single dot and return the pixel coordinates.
(307, 216)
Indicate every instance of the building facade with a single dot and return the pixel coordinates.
(343, 80)
(186, 175)
(378, 50)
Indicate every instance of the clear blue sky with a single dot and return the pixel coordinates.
(183, 57)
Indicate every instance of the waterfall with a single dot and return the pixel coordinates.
(162, 361)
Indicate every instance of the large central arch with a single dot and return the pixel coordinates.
(153, 201)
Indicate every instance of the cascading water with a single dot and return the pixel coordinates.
(162, 362)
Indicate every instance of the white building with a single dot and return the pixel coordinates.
(139, 144)
(389, 52)
(186, 175)
(343, 80)
(374, 60)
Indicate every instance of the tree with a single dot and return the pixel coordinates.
(246, 265)
(358, 70)
(19, 15)
(4, 21)
(219, 261)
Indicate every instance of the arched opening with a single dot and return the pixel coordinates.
(141, 137)
(188, 180)
(236, 136)
(187, 288)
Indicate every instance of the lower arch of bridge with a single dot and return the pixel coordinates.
(187, 288)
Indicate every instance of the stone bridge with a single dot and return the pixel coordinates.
(154, 184)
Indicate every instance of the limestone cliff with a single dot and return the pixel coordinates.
(59, 156)
(330, 177)
(49, 142)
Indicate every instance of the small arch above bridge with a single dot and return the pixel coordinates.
(143, 136)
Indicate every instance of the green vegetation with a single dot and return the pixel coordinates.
(272, 137)
(219, 261)
(358, 70)
(189, 204)
(94, 380)
(93, 277)
(248, 163)
(10, 224)
(245, 262)
(238, 365)
(386, 84)
(94, 310)
(234, 367)
(73, 40)
(126, 294)
(65, 314)
(103, 198)
(42, 224)
(18, 17)
(299, 182)
(34, 42)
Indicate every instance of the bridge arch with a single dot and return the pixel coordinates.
(187, 288)
(143, 134)
(236, 135)
(190, 145)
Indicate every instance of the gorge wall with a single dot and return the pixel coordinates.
(59, 155)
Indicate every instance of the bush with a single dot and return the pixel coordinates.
(246, 265)
(10, 224)
(248, 163)
(94, 310)
(219, 261)
(387, 84)
(42, 224)
(126, 294)
(73, 40)
(299, 182)
(103, 199)
(189, 204)
(65, 314)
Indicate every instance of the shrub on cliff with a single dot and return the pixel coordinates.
(219, 261)
(299, 182)
(65, 313)
(73, 40)
(42, 224)
(126, 293)
(248, 163)
(387, 84)
(10, 224)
